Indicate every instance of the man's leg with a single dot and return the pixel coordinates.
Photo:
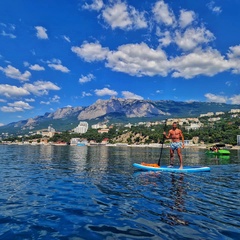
(171, 156)
(180, 157)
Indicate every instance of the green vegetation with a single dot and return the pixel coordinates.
(224, 130)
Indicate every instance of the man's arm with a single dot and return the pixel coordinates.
(167, 136)
(182, 137)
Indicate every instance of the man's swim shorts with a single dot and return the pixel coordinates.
(175, 145)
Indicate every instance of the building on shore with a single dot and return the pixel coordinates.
(81, 128)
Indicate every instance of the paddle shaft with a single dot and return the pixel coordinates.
(159, 160)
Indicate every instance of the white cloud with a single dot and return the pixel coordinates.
(1, 124)
(120, 15)
(29, 100)
(14, 73)
(12, 91)
(165, 38)
(36, 67)
(138, 60)
(234, 58)
(46, 103)
(215, 98)
(2, 100)
(234, 52)
(208, 62)
(193, 37)
(186, 18)
(59, 67)
(66, 38)
(130, 95)
(235, 99)
(91, 51)
(56, 64)
(10, 35)
(159, 91)
(215, 9)
(55, 99)
(163, 14)
(41, 32)
(18, 106)
(96, 5)
(105, 91)
(40, 87)
(88, 78)
(7, 30)
(85, 94)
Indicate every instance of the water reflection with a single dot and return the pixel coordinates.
(178, 194)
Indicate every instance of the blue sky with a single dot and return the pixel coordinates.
(62, 53)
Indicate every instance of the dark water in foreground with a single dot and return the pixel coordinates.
(70, 192)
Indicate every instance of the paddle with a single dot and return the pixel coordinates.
(159, 160)
(164, 128)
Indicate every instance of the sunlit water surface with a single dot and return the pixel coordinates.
(70, 192)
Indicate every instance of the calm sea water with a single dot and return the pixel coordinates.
(70, 192)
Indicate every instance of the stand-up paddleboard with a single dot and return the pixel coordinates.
(171, 169)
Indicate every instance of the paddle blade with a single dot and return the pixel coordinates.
(150, 164)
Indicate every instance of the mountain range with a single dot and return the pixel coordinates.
(115, 110)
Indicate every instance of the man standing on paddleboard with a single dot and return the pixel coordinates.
(176, 135)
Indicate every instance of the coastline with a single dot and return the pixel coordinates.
(154, 145)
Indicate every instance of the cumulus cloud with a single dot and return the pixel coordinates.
(10, 91)
(91, 51)
(163, 14)
(215, 9)
(18, 106)
(14, 73)
(88, 78)
(105, 91)
(29, 100)
(165, 38)
(96, 5)
(10, 35)
(56, 64)
(86, 94)
(36, 67)
(138, 60)
(7, 30)
(130, 95)
(234, 58)
(235, 99)
(193, 37)
(41, 32)
(215, 98)
(40, 88)
(141, 60)
(120, 15)
(208, 62)
(186, 18)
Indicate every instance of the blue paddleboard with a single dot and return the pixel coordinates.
(172, 169)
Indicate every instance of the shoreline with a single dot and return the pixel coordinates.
(154, 145)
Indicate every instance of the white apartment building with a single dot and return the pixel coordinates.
(81, 128)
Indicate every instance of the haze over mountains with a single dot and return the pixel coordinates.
(115, 110)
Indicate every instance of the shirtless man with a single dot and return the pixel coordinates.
(175, 135)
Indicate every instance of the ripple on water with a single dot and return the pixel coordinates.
(94, 193)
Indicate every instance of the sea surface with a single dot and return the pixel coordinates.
(71, 192)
